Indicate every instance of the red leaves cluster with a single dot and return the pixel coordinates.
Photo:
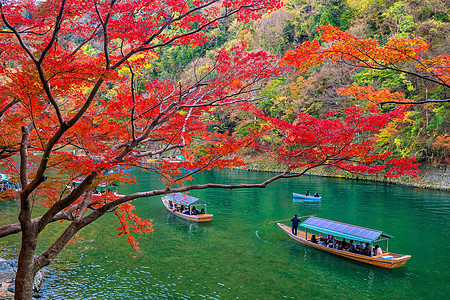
(344, 143)
(345, 47)
(130, 222)
(372, 96)
(368, 53)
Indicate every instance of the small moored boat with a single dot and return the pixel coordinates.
(304, 197)
(171, 201)
(387, 259)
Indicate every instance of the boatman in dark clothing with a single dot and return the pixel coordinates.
(295, 222)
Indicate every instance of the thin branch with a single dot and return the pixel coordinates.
(58, 22)
(415, 102)
(85, 41)
(8, 106)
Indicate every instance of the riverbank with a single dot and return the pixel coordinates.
(431, 177)
(8, 269)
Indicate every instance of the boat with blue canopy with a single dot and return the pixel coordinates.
(319, 227)
(185, 206)
(100, 189)
(6, 184)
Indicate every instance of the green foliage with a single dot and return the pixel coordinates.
(439, 115)
(383, 79)
(224, 122)
(309, 14)
(270, 104)
(401, 21)
(336, 13)
(172, 61)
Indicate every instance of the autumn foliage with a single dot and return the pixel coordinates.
(401, 55)
(77, 106)
(345, 142)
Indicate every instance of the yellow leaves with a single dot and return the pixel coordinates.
(301, 83)
(141, 64)
(392, 129)
(404, 151)
(90, 51)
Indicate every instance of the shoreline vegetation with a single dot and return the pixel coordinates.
(431, 176)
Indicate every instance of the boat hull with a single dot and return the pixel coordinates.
(307, 198)
(398, 260)
(194, 218)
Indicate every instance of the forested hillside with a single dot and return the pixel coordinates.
(423, 133)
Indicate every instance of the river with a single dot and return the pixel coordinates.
(240, 255)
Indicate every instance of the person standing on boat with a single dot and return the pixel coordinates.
(295, 222)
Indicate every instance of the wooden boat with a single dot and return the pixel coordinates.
(387, 259)
(178, 199)
(100, 190)
(6, 184)
(304, 197)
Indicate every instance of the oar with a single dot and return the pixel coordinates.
(291, 218)
(279, 221)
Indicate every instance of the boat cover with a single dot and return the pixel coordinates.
(180, 198)
(343, 230)
(4, 177)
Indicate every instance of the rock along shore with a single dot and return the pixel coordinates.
(431, 177)
(8, 270)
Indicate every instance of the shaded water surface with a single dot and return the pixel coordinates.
(240, 255)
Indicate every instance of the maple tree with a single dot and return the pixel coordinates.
(76, 107)
(401, 55)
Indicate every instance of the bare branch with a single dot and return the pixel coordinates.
(416, 102)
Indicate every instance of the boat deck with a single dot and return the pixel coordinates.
(195, 218)
(387, 260)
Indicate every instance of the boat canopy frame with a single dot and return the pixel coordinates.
(343, 230)
(186, 200)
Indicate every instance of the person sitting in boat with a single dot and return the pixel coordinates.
(322, 242)
(344, 244)
(170, 203)
(330, 244)
(362, 246)
(202, 211)
(353, 247)
(377, 250)
(186, 212)
(316, 195)
(307, 193)
(367, 250)
(313, 239)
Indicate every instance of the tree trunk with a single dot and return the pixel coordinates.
(25, 268)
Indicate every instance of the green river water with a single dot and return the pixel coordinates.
(239, 255)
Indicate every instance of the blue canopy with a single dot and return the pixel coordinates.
(180, 198)
(4, 177)
(343, 230)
